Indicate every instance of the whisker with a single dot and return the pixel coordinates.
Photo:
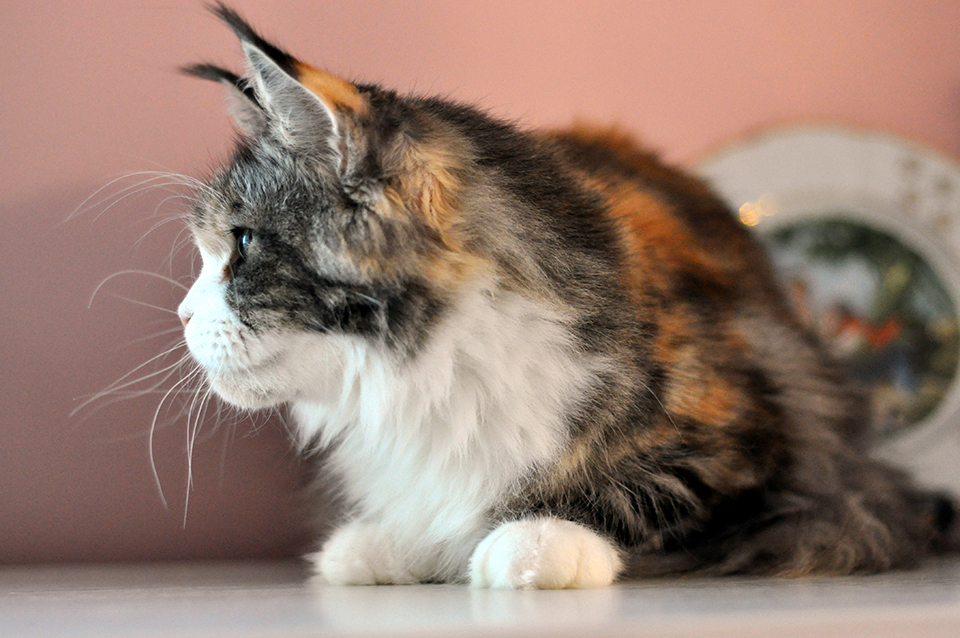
(180, 243)
(190, 439)
(153, 428)
(154, 390)
(163, 222)
(171, 375)
(108, 202)
(120, 384)
(147, 273)
(143, 303)
(83, 205)
(150, 180)
(217, 418)
(113, 397)
(156, 335)
(187, 179)
(199, 418)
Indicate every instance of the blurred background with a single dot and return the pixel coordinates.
(94, 117)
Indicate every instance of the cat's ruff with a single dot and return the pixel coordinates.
(428, 447)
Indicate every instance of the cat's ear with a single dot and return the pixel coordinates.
(244, 106)
(307, 107)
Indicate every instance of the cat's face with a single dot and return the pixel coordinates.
(273, 295)
(328, 232)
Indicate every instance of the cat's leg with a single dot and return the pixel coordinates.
(362, 553)
(544, 553)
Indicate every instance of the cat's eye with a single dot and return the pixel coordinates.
(243, 237)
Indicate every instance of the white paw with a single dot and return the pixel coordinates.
(543, 553)
(361, 554)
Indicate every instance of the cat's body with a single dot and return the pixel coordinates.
(538, 360)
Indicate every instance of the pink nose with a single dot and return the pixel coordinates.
(185, 317)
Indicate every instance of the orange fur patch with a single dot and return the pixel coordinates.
(572, 463)
(449, 271)
(427, 187)
(428, 190)
(336, 93)
(695, 391)
(654, 240)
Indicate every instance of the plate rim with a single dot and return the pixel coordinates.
(730, 169)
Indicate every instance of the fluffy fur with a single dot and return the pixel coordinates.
(537, 359)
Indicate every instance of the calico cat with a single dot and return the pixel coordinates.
(537, 359)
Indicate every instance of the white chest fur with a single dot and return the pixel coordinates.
(427, 446)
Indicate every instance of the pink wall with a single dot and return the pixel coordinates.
(89, 93)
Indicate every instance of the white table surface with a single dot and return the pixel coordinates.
(270, 599)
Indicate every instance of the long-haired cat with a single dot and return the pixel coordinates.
(537, 359)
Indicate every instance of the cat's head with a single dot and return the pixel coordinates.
(338, 221)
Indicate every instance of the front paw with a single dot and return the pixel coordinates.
(543, 553)
(361, 554)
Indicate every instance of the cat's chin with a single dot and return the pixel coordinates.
(246, 392)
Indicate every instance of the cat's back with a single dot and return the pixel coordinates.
(667, 221)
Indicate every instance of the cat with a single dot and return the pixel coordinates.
(535, 359)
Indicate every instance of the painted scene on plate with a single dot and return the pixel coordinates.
(879, 306)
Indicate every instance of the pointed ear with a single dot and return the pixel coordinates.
(243, 104)
(309, 108)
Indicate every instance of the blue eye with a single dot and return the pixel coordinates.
(243, 237)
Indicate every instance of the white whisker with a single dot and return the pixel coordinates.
(153, 427)
(199, 417)
(107, 203)
(171, 374)
(188, 180)
(146, 273)
(144, 304)
(84, 204)
(156, 335)
(150, 180)
(191, 414)
(163, 222)
(122, 383)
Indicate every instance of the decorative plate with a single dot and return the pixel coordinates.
(865, 231)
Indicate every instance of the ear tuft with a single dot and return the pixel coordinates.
(248, 36)
(309, 109)
(223, 76)
(245, 108)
